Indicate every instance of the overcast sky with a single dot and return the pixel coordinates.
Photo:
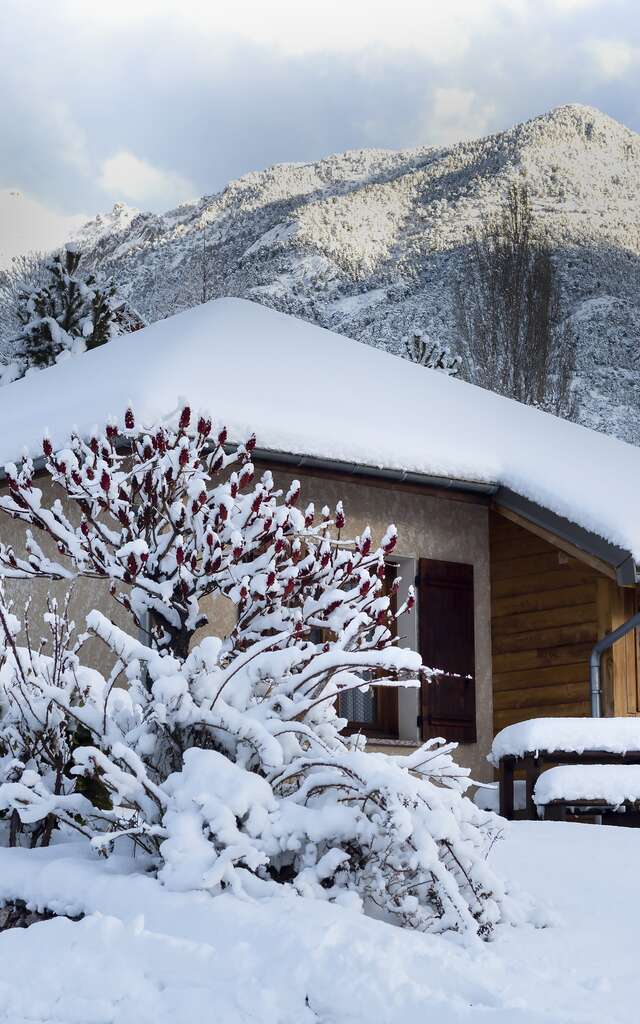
(152, 102)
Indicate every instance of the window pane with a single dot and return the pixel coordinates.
(376, 710)
(358, 707)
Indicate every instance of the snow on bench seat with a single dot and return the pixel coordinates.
(609, 784)
(569, 735)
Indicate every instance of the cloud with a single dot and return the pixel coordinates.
(569, 6)
(157, 100)
(612, 58)
(439, 31)
(71, 138)
(126, 176)
(457, 114)
(28, 225)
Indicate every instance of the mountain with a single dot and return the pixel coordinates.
(371, 242)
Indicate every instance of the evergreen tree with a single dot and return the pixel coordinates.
(25, 273)
(69, 312)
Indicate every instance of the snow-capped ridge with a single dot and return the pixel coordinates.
(118, 219)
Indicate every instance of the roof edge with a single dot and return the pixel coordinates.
(364, 470)
(343, 468)
(620, 560)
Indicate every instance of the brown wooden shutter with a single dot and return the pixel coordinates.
(447, 642)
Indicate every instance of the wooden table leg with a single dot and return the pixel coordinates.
(506, 773)
(531, 772)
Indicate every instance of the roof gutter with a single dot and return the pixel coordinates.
(364, 470)
(337, 466)
(618, 558)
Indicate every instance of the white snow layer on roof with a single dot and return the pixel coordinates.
(572, 735)
(306, 390)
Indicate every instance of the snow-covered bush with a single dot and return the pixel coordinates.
(420, 348)
(225, 761)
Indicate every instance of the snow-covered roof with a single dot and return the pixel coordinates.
(305, 390)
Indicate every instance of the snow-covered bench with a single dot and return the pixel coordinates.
(541, 742)
(587, 788)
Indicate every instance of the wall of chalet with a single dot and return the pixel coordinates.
(452, 528)
(547, 610)
(440, 525)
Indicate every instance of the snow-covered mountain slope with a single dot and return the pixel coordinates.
(371, 242)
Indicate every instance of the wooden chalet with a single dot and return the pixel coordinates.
(519, 529)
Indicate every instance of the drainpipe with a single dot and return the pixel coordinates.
(607, 641)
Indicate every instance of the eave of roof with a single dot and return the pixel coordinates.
(362, 471)
(618, 559)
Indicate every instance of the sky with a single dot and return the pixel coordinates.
(153, 102)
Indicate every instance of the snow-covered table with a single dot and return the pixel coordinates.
(589, 787)
(541, 742)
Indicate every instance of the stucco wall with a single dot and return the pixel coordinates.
(86, 593)
(429, 527)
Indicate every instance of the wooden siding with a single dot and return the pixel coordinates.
(547, 611)
(620, 669)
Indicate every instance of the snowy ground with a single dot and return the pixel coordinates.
(147, 955)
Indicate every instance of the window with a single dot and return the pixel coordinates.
(375, 712)
(447, 642)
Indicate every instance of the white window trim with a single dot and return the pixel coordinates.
(408, 696)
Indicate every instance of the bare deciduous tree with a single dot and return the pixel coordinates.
(205, 291)
(514, 337)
